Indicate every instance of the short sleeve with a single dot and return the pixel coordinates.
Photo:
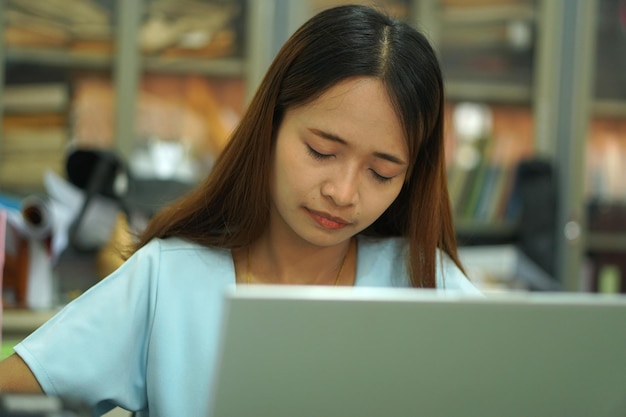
(95, 348)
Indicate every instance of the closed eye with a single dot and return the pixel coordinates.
(318, 155)
(379, 177)
(322, 157)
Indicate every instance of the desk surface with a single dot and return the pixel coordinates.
(24, 320)
(19, 323)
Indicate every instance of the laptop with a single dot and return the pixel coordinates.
(372, 352)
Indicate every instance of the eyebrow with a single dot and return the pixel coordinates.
(335, 138)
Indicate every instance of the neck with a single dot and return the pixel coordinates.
(300, 264)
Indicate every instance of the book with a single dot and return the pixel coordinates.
(501, 194)
(31, 140)
(26, 171)
(476, 166)
(31, 143)
(3, 221)
(489, 193)
(36, 98)
(455, 177)
(34, 120)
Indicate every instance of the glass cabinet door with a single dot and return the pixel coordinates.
(191, 86)
(605, 170)
(488, 51)
(487, 48)
(45, 45)
(606, 145)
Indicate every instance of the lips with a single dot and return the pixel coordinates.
(328, 221)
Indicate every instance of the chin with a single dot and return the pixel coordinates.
(326, 239)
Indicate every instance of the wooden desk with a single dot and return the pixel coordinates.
(19, 323)
(24, 321)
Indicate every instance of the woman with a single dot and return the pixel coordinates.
(335, 176)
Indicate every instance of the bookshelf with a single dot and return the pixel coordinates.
(104, 60)
(570, 80)
(489, 55)
(120, 53)
(117, 57)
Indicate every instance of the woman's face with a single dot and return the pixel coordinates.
(339, 163)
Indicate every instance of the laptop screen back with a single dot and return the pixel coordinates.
(293, 351)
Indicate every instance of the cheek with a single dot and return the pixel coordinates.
(290, 173)
(286, 159)
(380, 201)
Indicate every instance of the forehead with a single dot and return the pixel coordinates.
(356, 109)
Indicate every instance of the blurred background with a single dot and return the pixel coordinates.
(112, 108)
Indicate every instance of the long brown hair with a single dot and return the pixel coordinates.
(231, 208)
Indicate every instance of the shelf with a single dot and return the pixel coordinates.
(609, 108)
(220, 67)
(58, 57)
(606, 242)
(484, 91)
(509, 264)
(487, 14)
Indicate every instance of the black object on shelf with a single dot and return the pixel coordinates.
(476, 234)
(537, 188)
(96, 172)
(100, 172)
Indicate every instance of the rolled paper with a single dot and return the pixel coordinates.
(37, 218)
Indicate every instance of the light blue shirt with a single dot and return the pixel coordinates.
(145, 338)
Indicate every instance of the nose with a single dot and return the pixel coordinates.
(342, 188)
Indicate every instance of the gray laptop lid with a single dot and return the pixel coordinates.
(294, 351)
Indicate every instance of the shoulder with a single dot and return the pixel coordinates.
(382, 261)
(186, 260)
(173, 245)
(179, 251)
